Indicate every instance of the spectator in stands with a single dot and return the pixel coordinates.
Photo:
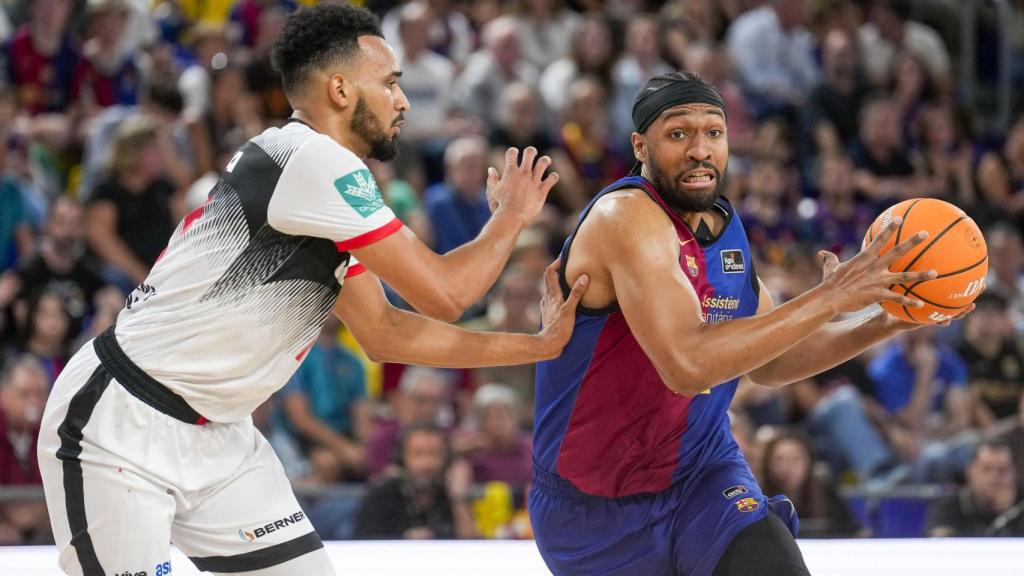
(135, 209)
(839, 219)
(884, 172)
(1013, 436)
(995, 364)
(421, 397)
(912, 89)
(41, 58)
(703, 20)
(427, 76)
(60, 264)
(790, 469)
(498, 451)
(889, 30)
(921, 387)
(108, 74)
(592, 53)
(246, 16)
(1006, 269)
(765, 212)
(774, 56)
(232, 117)
(989, 505)
(640, 60)
(107, 304)
(513, 307)
(451, 34)
(426, 499)
(324, 406)
(161, 100)
(832, 406)
(23, 389)
(262, 79)
(47, 333)
(827, 121)
(457, 208)
(547, 28)
(499, 63)
(946, 155)
(16, 235)
(521, 123)
(1001, 177)
(209, 45)
(916, 377)
(586, 139)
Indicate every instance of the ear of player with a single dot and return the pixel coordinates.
(955, 249)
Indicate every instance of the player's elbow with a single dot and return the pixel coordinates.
(686, 379)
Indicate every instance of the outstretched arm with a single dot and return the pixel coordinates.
(443, 286)
(388, 334)
(828, 346)
(630, 244)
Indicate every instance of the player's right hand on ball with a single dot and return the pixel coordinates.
(522, 186)
(865, 279)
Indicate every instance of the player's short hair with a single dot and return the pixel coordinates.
(320, 36)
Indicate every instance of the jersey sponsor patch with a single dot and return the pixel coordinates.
(360, 191)
(732, 262)
(733, 492)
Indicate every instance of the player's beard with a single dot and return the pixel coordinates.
(682, 200)
(368, 127)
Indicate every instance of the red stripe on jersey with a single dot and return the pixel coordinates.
(370, 237)
(301, 355)
(192, 216)
(355, 270)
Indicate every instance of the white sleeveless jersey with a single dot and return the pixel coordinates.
(247, 280)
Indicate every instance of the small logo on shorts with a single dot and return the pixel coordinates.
(747, 505)
(691, 265)
(734, 492)
(262, 531)
(732, 262)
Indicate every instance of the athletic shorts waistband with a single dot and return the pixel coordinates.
(142, 385)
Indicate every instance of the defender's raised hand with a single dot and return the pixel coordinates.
(522, 186)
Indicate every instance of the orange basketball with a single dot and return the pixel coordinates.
(955, 248)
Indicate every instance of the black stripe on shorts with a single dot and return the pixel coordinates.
(70, 432)
(262, 558)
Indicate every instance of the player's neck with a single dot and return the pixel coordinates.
(337, 131)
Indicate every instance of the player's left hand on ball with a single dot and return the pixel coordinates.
(903, 325)
(558, 313)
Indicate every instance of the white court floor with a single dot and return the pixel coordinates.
(953, 557)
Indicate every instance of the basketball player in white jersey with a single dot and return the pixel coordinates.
(147, 436)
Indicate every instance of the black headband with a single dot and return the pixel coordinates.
(649, 105)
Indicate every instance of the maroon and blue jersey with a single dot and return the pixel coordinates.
(605, 421)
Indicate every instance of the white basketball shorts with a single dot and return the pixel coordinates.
(128, 467)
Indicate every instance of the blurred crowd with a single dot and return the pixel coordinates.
(117, 116)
